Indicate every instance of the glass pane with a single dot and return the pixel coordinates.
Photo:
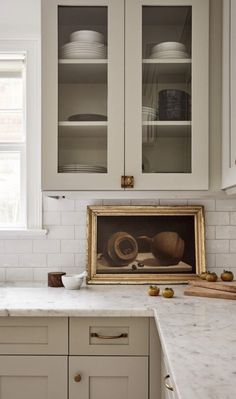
(82, 89)
(11, 92)
(11, 126)
(9, 189)
(166, 100)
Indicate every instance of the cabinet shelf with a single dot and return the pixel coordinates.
(82, 70)
(82, 129)
(166, 70)
(168, 128)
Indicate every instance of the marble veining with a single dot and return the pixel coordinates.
(198, 335)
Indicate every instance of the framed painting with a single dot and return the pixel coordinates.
(145, 244)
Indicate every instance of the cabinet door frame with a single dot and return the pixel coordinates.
(198, 178)
(53, 367)
(51, 179)
(229, 96)
(133, 367)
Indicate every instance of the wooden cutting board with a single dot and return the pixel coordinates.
(208, 293)
(228, 287)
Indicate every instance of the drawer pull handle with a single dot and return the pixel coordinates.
(96, 335)
(167, 385)
(77, 378)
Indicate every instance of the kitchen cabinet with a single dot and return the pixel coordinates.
(131, 100)
(38, 377)
(229, 97)
(168, 389)
(105, 377)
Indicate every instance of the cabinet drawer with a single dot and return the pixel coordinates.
(109, 336)
(31, 335)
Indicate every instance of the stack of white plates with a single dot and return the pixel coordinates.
(149, 113)
(82, 168)
(85, 44)
(169, 50)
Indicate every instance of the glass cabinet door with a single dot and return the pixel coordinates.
(167, 94)
(83, 60)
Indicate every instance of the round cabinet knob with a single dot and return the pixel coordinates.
(77, 378)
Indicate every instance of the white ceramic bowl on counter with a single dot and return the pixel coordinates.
(73, 281)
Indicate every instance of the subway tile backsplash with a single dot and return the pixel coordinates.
(64, 248)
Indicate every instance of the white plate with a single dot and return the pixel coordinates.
(83, 45)
(169, 46)
(84, 56)
(87, 36)
(177, 55)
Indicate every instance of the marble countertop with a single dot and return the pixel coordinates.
(198, 335)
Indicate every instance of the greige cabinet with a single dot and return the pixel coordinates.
(38, 377)
(106, 377)
(125, 93)
(229, 97)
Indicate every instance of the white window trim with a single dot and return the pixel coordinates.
(31, 47)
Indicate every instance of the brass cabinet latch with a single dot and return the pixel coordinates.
(127, 181)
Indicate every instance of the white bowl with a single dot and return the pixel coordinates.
(87, 36)
(169, 46)
(72, 282)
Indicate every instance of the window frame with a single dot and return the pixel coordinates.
(32, 183)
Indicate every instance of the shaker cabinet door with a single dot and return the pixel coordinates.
(166, 64)
(108, 377)
(229, 96)
(82, 94)
(33, 377)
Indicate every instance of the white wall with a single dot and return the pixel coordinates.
(19, 18)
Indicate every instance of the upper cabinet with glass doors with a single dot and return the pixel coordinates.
(125, 92)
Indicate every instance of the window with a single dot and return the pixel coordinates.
(12, 140)
(20, 138)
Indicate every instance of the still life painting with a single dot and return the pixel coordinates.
(137, 244)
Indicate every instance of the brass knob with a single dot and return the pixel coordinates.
(167, 385)
(77, 378)
(127, 181)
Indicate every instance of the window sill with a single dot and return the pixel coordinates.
(22, 233)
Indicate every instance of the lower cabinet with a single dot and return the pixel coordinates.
(98, 377)
(80, 358)
(33, 377)
(168, 390)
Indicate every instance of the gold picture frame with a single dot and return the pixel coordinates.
(123, 250)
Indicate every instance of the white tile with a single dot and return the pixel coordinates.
(60, 260)
(81, 260)
(73, 246)
(41, 274)
(225, 261)
(232, 246)
(226, 232)
(116, 202)
(2, 249)
(145, 202)
(217, 218)
(33, 260)
(2, 274)
(209, 204)
(233, 218)
(18, 246)
(210, 232)
(73, 218)
(46, 246)
(210, 261)
(63, 204)
(73, 270)
(226, 205)
(51, 218)
(81, 232)
(81, 205)
(173, 202)
(60, 232)
(217, 246)
(8, 260)
(19, 274)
